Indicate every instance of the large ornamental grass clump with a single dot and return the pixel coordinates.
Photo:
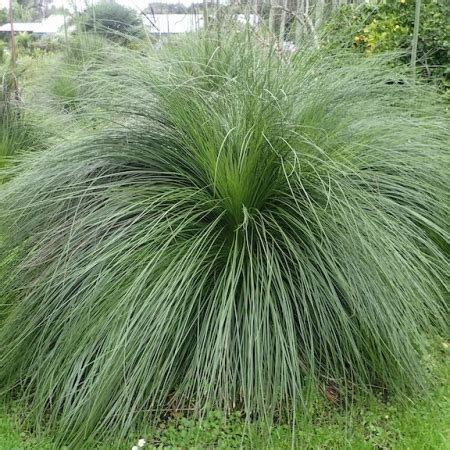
(248, 223)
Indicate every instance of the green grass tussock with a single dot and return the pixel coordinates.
(59, 82)
(19, 133)
(52, 101)
(245, 225)
(36, 115)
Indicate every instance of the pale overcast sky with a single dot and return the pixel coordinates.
(138, 4)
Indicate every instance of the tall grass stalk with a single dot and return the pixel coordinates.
(415, 38)
(246, 225)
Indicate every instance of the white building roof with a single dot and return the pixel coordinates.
(173, 23)
(157, 23)
(185, 23)
(50, 25)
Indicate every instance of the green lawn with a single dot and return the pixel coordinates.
(370, 424)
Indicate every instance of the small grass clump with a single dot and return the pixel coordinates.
(246, 226)
(18, 133)
(28, 122)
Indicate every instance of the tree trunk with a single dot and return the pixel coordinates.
(13, 36)
(318, 13)
(283, 22)
(273, 5)
(300, 12)
(205, 14)
(13, 52)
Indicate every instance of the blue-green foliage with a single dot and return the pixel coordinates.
(244, 226)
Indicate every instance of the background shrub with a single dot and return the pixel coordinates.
(112, 20)
(387, 25)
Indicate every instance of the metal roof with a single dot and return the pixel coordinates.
(173, 23)
(156, 24)
(185, 23)
(49, 25)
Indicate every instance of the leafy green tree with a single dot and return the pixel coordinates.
(3, 16)
(31, 10)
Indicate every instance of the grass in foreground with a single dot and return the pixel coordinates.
(370, 424)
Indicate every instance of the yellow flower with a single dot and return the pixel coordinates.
(402, 2)
(397, 27)
(357, 38)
